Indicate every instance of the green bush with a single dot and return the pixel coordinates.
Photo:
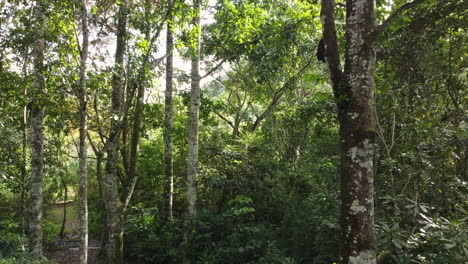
(147, 240)
(24, 260)
(12, 242)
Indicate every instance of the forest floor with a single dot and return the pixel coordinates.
(66, 250)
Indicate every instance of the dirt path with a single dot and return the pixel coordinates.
(66, 251)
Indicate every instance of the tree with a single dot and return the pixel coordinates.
(37, 137)
(83, 191)
(354, 93)
(114, 207)
(192, 158)
(169, 119)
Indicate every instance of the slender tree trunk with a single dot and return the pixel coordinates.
(24, 168)
(192, 160)
(169, 122)
(114, 207)
(64, 217)
(99, 157)
(104, 225)
(37, 137)
(83, 191)
(135, 141)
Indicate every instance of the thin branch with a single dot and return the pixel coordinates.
(213, 70)
(279, 94)
(101, 134)
(93, 146)
(397, 13)
(225, 119)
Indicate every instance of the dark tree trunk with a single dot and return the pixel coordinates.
(114, 207)
(64, 216)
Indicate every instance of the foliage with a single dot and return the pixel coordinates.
(11, 242)
(269, 146)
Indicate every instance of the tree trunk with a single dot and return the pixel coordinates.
(104, 225)
(192, 159)
(354, 92)
(23, 167)
(135, 141)
(114, 207)
(83, 191)
(354, 95)
(37, 137)
(169, 123)
(99, 157)
(64, 216)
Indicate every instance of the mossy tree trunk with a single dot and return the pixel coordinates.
(114, 207)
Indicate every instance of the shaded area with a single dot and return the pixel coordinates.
(66, 250)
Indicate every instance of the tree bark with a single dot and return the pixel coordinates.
(354, 95)
(168, 122)
(192, 158)
(37, 137)
(354, 92)
(114, 207)
(83, 191)
(24, 153)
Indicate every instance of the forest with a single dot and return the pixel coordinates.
(233, 131)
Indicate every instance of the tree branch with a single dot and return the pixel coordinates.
(278, 95)
(330, 40)
(397, 13)
(213, 70)
(225, 119)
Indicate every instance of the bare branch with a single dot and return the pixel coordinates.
(213, 70)
(225, 119)
(397, 13)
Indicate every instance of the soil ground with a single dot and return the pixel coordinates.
(66, 250)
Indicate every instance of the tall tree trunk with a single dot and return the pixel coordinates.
(114, 207)
(357, 132)
(168, 122)
(192, 158)
(83, 191)
(37, 137)
(135, 141)
(354, 94)
(23, 167)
